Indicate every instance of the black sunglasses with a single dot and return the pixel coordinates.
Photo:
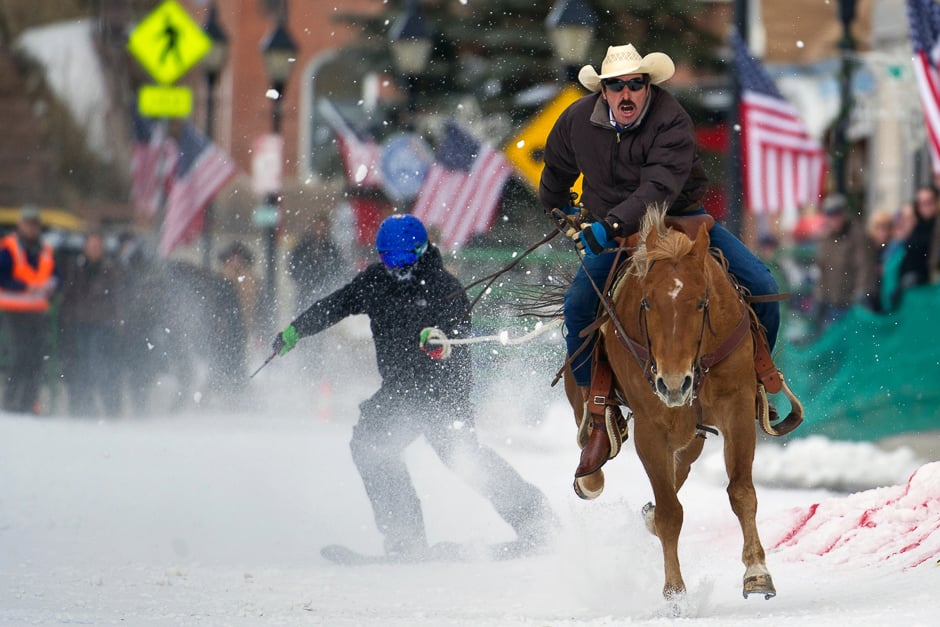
(633, 84)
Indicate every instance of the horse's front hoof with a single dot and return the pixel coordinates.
(590, 486)
(760, 584)
(678, 601)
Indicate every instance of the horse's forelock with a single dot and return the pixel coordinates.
(669, 244)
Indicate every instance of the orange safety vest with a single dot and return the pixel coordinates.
(38, 281)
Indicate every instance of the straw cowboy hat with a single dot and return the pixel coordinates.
(622, 60)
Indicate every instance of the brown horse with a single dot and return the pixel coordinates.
(682, 362)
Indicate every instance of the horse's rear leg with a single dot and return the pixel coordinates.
(739, 458)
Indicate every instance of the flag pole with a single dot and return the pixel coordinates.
(841, 141)
(735, 175)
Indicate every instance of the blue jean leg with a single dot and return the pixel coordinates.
(753, 274)
(581, 302)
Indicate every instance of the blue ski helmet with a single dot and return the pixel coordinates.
(401, 240)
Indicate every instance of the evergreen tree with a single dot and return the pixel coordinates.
(494, 50)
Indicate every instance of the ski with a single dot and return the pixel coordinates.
(440, 552)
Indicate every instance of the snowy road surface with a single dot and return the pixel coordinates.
(210, 519)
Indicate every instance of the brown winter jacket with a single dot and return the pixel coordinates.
(841, 261)
(92, 292)
(624, 171)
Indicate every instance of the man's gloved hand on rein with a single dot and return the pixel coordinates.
(595, 238)
(285, 341)
(570, 209)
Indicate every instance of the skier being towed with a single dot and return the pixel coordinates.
(421, 393)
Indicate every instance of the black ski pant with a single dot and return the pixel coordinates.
(389, 422)
(27, 333)
(91, 369)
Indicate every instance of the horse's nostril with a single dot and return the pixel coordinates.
(661, 386)
(687, 384)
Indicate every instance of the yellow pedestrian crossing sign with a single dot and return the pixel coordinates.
(164, 101)
(168, 42)
(525, 149)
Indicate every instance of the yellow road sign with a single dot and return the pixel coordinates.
(168, 42)
(162, 101)
(526, 149)
(49, 217)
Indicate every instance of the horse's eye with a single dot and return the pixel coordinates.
(701, 304)
(645, 304)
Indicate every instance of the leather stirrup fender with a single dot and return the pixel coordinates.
(601, 385)
(767, 372)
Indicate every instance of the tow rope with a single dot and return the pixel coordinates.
(436, 337)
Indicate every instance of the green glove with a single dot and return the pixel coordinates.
(285, 341)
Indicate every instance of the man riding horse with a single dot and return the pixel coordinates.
(635, 146)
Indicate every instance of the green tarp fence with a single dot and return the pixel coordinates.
(869, 376)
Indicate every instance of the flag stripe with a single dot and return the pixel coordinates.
(361, 156)
(924, 21)
(462, 202)
(784, 168)
(202, 170)
(494, 172)
(153, 160)
(926, 77)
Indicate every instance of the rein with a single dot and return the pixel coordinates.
(641, 352)
(703, 363)
(491, 278)
(605, 303)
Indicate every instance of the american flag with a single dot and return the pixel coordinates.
(784, 168)
(360, 155)
(153, 159)
(924, 17)
(203, 169)
(463, 186)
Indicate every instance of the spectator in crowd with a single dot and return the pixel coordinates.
(878, 236)
(894, 255)
(839, 257)
(767, 247)
(311, 262)
(141, 353)
(920, 264)
(27, 281)
(238, 269)
(89, 318)
(769, 251)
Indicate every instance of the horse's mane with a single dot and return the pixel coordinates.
(670, 243)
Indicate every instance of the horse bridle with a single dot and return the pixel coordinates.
(643, 354)
(649, 364)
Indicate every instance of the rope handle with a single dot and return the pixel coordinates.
(436, 337)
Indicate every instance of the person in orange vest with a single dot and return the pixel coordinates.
(27, 281)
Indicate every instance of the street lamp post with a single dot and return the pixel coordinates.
(411, 42)
(571, 25)
(734, 207)
(279, 52)
(840, 137)
(212, 65)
